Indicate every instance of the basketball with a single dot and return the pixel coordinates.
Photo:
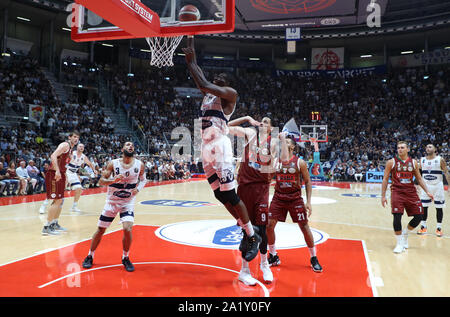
(189, 13)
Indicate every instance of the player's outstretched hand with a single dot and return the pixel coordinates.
(118, 178)
(430, 195)
(190, 54)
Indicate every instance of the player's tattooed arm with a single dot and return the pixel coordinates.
(106, 175)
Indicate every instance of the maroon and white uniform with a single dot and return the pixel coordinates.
(55, 189)
(288, 193)
(403, 191)
(217, 153)
(254, 179)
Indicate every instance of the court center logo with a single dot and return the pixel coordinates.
(225, 234)
(291, 6)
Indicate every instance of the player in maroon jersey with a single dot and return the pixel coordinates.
(55, 181)
(402, 169)
(255, 172)
(290, 173)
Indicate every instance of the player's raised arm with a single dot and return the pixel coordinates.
(284, 150)
(384, 184)
(202, 83)
(242, 120)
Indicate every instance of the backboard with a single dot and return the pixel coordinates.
(126, 19)
(313, 133)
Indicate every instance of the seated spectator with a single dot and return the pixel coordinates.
(13, 179)
(3, 177)
(359, 175)
(35, 173)
(24, 178)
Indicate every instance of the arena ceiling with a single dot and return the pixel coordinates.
(271, 17)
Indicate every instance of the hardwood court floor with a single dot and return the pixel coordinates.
(358, 247)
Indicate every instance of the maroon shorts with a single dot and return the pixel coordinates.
(296, 207)
(55, 189)
(255, 197)
(409, 202)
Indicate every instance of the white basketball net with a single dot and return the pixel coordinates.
(162, 50)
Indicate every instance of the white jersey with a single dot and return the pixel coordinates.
(120, 192)
(75, 162)
(214, 121)
(431, 170)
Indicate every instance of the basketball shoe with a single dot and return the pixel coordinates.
(422, 230)
(439, 232)
(49, 230)
(249, 246)
(274, 260)
(57, 227)
(267, 273)
(399, 248)
(87, 263)
(127, 264)
(75, 209)
(245, 276)
(315, 265)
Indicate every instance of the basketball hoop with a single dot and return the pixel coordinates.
(162, 49)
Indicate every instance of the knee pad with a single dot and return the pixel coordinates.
(219, 196)
(229, 196)
(263, 235)
(397, 222)
(415, 221)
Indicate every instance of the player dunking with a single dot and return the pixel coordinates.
(402, 169)
(218, 105)
(55, 182)
(129, 179)
(290, 173)
(255, 172)
(433, 169)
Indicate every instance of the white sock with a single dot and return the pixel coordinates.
(91, 253)
(74, 204)
(439, 225)
(248, 229)
(423, 223)
(244, 266)
(45, 203)
(125, 254)
(399, 238)
(312, 251)
(264, 259)
(272, 249)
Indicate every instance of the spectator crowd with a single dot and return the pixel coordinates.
(366, 115)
